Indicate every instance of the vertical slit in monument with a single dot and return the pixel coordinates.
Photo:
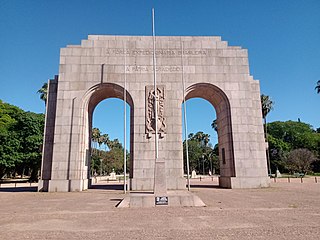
(102, 70)
(70, 145)
(125, 124)
(185, 116)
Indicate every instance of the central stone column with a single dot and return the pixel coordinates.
(160, 181)
(155, 119)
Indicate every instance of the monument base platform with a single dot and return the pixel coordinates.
(178, 198)
(244, 182)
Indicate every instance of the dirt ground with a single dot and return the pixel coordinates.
(283, 211)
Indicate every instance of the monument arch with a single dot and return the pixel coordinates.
(97, 68)
(92, 98)
(218, 99)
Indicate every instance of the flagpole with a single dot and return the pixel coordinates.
(155, 88)
(185, 117)
(125, 124)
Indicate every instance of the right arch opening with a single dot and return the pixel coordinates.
(218, 99)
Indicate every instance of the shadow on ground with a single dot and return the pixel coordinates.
(108, 187)
(203, 186)
(19, 189)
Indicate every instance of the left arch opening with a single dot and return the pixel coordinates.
(107, 101)
(107, 142)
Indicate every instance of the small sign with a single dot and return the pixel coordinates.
(161, 200)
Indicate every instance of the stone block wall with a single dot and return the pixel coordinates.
(211, 69)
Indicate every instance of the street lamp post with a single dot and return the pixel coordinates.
(203, 165)
(210, 159)
(101, 167)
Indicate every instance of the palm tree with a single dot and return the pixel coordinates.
(206, 139)
(267, 106)
(318, 87)
(202, 138)
(114, 144)
(96, 133)
(43, 91)
(104, 139)
(214, 125)
(190, 136)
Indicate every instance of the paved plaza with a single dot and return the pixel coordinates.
(284, 211)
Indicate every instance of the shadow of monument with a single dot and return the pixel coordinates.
(116, 187)
(19, 189)
(204, 186)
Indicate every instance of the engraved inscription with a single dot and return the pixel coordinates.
(150, 111)
(159, 52)
(149, 69)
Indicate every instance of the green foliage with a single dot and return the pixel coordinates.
(277, 148)
(43, 91)
(296, 134)
(103, 161)
(195, 154)
(202, 157)
(114, 159)
(21, 135)
(266, 105)
(285, 137)
(202, 138)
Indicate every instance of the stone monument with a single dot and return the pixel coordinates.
(193, 174)
(112, 175)
(96, 69)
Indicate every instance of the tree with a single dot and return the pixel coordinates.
(318, 87)
(114, 144)
(104, 139)
(290, 135)
(214, 125)
(103, 160)
(43, 91)
(96, 134)
(266, 107)
(9, 144)
(30, 132)
(211, 158)
(114, 160)
(296, 134)
(21, 135)
(201, 137)
(195, 153)
(201, 155)
(277, 149)
(299, 160)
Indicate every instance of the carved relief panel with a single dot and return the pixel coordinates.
(150, 111)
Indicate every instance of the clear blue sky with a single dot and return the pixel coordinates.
(282, 37)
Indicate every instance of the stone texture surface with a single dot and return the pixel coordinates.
(95, 70)
(160, 181)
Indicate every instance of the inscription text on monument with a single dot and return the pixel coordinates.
(159, 52)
